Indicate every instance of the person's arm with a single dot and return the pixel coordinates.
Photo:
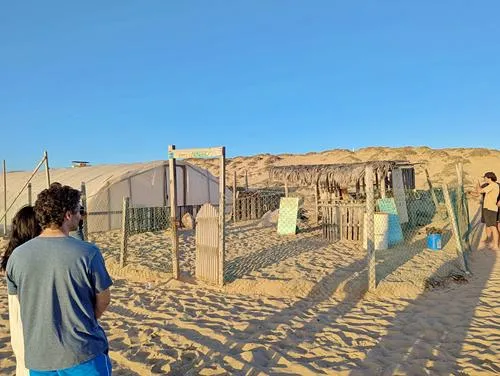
(101, 282)
(102, 301)
(486, 189)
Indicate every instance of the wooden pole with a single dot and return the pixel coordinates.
(123, 247)
(383, 192)
(47, 170)
(173, 211)
(455, 229)
(431, 189)
(83, 190)
(222, 201)
(246, 180)
(234, 196)
(463, 202)
(460, 197)
(108, 192)
(4, 198)
(30, 195)
(22, 189)
(286, 187)
(370, 233)
(316, 203)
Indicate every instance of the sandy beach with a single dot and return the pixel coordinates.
(296, 305)
(302, 313)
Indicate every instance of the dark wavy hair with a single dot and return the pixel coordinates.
(52, 204)
(24, 227)
(490, 175)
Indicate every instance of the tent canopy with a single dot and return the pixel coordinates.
(145, 183)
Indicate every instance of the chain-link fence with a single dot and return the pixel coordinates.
(421, 233)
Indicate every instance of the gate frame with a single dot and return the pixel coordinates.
(198, 153)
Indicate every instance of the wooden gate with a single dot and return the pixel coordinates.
(343, 221)
(207, 244)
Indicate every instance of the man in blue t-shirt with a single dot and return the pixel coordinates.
(63, 289)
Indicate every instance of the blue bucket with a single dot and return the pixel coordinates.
(434, 242)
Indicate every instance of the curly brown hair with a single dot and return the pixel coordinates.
(52, 204)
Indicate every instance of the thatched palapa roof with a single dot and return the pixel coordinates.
(341, 174)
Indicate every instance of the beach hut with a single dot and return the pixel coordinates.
(340, 191)
(146, 184)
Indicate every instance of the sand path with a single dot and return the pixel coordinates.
(177, 328)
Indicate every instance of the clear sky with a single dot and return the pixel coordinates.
(117, 81)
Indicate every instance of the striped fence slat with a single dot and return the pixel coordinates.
(207, 244)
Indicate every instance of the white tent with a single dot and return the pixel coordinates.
(145, 183)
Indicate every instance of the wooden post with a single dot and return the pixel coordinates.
(30, 195)
(286, 187)
(433, 194)
(246, 180)
(316, 203)
(370, 233)
(108, 192)
(173, 212)
(460, 194)
(222, 201)
(383, 192)
(455, 229)
(207, 173)
(4, 198)
(234, 196)
(47, 170)
(83, 190)
(22, 189)
(123, 247)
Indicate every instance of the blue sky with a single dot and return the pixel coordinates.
(118, 81)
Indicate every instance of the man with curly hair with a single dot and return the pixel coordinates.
(63, 289)
(490, 209)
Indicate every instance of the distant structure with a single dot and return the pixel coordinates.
(80, 164)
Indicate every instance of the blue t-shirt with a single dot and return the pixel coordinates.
(56, 280)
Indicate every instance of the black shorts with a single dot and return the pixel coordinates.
(490, 217)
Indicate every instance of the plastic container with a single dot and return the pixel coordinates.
(434, 242)
(380, 229)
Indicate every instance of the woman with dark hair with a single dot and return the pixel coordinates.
(24, 227)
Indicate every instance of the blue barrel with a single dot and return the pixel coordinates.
(434, 242)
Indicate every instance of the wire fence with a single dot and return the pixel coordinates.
(253, 204)
(418, 233)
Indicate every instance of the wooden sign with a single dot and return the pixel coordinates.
(287, 220)
(203, 153)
